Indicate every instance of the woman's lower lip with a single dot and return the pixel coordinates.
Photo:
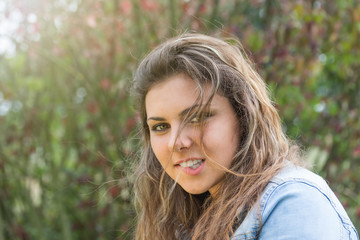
(190, 171)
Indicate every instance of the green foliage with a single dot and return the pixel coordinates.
(68, 136)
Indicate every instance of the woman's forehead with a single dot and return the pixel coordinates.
(177, 93)
(178, 82)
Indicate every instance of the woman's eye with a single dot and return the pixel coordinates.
(200, 117)
(196, 119)
(160, 127)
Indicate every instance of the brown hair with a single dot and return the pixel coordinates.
(166, 211)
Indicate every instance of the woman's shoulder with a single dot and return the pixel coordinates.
(294, 181)
(293, 172)
(297, 204)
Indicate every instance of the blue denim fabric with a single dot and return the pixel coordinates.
(297, 204)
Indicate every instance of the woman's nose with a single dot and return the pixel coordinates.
(180, 140)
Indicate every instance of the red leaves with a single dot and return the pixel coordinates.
(356, 152)
(105, 83)
(100, 162)
(19, 231)
(130, 123)
(93, 107)
(114, 191)
(149, 5)
(84, 179)
(129, 126)
(86, 204)
(126, 7)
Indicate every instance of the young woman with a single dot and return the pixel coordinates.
(215, 163)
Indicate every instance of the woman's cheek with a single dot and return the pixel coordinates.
(159, 147)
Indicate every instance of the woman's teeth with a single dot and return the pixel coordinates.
(191, 163)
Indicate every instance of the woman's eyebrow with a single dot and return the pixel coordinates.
(156, 119)
(182, 114)
(188, 111)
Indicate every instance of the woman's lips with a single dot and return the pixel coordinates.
(188, 166)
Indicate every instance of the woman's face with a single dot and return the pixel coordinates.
(182, 157)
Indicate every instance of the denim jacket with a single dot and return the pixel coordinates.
(297, 204)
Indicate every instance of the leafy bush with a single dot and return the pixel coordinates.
(67, 121)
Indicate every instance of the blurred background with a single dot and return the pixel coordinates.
(67, 125)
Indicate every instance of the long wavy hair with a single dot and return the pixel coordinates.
(165, 210)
